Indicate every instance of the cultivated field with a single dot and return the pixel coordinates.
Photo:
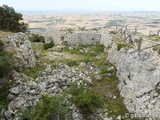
(144, 22)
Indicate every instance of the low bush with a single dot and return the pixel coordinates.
(49, 108)
(75, 90)
(87, 60)
(70, 30)
(99, 48)
(6, 64)
(84, 98)
(87, 101)
(36, 38)
(1, 46)
(121, 46)
(112, 32)
(155, 48)
(48, 45)
(71, 63)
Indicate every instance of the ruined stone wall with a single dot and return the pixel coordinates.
(53, 34)
(88, 38)
(83, 38)
(106, 39)
(22, 49)
(139, 76)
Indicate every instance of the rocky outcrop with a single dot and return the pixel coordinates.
(139, 76)
(22, 49)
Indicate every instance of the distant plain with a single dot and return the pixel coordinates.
(38, 23)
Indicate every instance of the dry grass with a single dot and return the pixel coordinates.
(3, 33)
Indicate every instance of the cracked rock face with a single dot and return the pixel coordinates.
(139, 76)
(21, 46)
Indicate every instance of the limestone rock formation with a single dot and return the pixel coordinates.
(22, 49)
(139, 76)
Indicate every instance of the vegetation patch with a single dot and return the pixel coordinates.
(1, 46)
(70, 30)
(112, 23)
(33, 72)
(154, 38)
(71, 63)
(122, 46)
(112, 32)
(36, 38)
(6, 65)
(84, 98)
(49, 108)
(4, 91)
(48, 45)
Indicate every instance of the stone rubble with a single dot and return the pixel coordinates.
(51, 81)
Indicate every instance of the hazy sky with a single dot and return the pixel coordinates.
(98, 5)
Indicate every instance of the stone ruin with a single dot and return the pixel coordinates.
(53, 34)
(88, 38)
(21, 46)
(77, 38)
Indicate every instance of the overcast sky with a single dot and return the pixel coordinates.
(96, 5)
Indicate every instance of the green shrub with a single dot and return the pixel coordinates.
(87, 60)
(49, 108)
(71, 63)
(3, 97)
(75, 90)
(6, 64)
(112, 32)
(1, 46)
(70, 30)
(48, 45)
(99, 48)
(36, 38)
(155, 48)
(121, 46)
(87, 101)
(105, 70)
(84, 98)
(82, 28)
